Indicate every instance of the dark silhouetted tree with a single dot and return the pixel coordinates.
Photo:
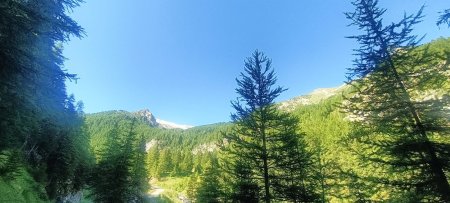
(263, 135)
(404, 127)
(244, 188)
(37, 117)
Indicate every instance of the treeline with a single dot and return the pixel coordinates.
(169, 152)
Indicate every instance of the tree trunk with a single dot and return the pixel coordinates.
(440, 178)
(265, 166)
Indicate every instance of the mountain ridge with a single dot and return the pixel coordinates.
(314, 97)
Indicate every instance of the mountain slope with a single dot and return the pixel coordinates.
(177, 156)
(314, 97)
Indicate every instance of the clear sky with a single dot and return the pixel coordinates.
(180, 58)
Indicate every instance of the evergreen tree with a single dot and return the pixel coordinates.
(263, 135)
(192, 187)
(176, 160)
(165, 163)
(120, 175)
(10, 162)
(186, 164)
(139, 179)
(153, 161)
(109, 178)
(403, 127)
(36, 115)
(209, 186)
(293, 177)
(244, 188)
(32, 77)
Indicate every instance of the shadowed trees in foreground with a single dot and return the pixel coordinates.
(404, 129)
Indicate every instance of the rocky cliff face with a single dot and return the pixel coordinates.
(147, 117)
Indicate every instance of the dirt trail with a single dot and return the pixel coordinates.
(156, 191)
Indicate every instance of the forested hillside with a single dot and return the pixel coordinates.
(179, 160)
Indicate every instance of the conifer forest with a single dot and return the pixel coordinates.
(382, 136)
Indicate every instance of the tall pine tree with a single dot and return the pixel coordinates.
(263, 135)
(120, 174)
(405, 127)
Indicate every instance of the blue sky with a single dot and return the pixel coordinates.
(180, 58)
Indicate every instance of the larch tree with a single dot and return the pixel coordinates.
(399, 102)
(263, 136)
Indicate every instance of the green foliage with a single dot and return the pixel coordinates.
(120, 174)
(244, 188)
(209, 188)
(400, 104)
(10, 161)
(171, 152)
(39, 123)
(324, 127)
(22, 188)
(267, 139)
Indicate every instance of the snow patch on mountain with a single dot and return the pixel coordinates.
(170, 125)
(147, 117)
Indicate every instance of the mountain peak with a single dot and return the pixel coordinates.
(147, 117)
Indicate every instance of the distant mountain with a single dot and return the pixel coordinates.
(147, 117)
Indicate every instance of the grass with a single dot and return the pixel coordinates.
(21, 188)
(173, 186)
